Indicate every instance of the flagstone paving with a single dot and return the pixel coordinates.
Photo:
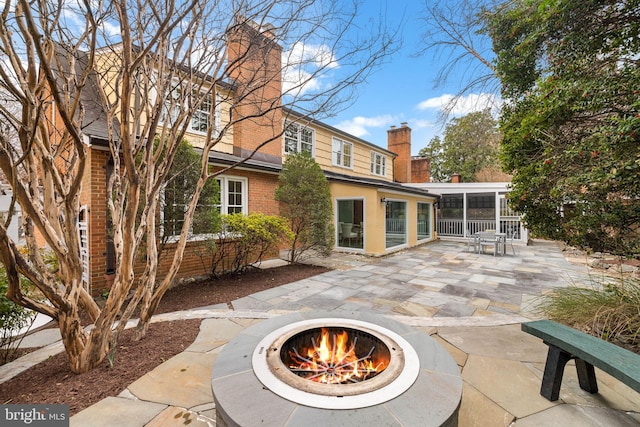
(472, 304)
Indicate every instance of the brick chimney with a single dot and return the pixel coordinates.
(456, 178)
(255, 68)
(399, 142)
(420, 169)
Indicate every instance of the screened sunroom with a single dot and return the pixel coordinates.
(467, 208)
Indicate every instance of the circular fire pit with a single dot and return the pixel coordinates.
(335, 369)
(343, 380)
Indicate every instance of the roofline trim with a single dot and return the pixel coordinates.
(330, 128)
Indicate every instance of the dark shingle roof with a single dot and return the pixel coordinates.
(94, 120)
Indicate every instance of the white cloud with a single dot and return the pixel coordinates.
(359, 126)
(421, 124)
(111, 29)
(296, 81)
(305, 66)
(462, 105)
(316, 56)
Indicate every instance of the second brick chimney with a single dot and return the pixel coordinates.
(420, 169)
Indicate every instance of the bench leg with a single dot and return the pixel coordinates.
(586, 376)
(553, 372)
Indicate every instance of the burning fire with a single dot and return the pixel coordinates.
(334, 360)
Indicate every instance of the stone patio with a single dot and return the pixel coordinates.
(472, 304)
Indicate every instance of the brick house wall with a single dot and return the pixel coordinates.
(97, 203)
(197, 258)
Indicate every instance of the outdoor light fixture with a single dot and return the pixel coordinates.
(383, 200)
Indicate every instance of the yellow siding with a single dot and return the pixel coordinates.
(361, 156)
(226, 143)
(108, 62)
(375, 214)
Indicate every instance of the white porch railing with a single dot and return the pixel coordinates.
(456, 227)
(395, 226)
(510, 226)
(450, 227)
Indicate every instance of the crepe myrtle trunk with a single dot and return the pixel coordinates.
(80, 95)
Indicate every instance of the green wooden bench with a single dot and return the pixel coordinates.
(566, 343)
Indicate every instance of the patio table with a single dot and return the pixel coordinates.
(498, 240)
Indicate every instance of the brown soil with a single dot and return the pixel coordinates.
(52, 382)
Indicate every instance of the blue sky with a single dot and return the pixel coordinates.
(402, 90)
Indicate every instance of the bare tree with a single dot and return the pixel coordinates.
(455, 31)
(135, 75)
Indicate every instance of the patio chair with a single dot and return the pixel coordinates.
(511, 236)
(347, 231)
(489, 240)
(471, 241)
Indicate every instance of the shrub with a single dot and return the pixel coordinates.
(13, 319)
(306, 202)
(246, 239)
(608, 310)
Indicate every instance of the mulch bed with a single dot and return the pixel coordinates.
(52, 382)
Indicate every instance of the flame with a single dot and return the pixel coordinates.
(334, 361)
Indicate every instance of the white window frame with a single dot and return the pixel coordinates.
(171, 107)
(298, 139)
(172, 110)
(339, 155)
(200, 121)
(174, 237)
(224, 206)
(205, 110)
(378, 164)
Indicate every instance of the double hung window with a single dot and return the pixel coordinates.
(342, 153)
(233, 195)
(378, 164)
(175, 200)
(298, 138)
(203, 106)
(229, 196)
(200, 120)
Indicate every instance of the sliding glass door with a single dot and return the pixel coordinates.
(396, 224)
(424, 220)
(350, 226)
